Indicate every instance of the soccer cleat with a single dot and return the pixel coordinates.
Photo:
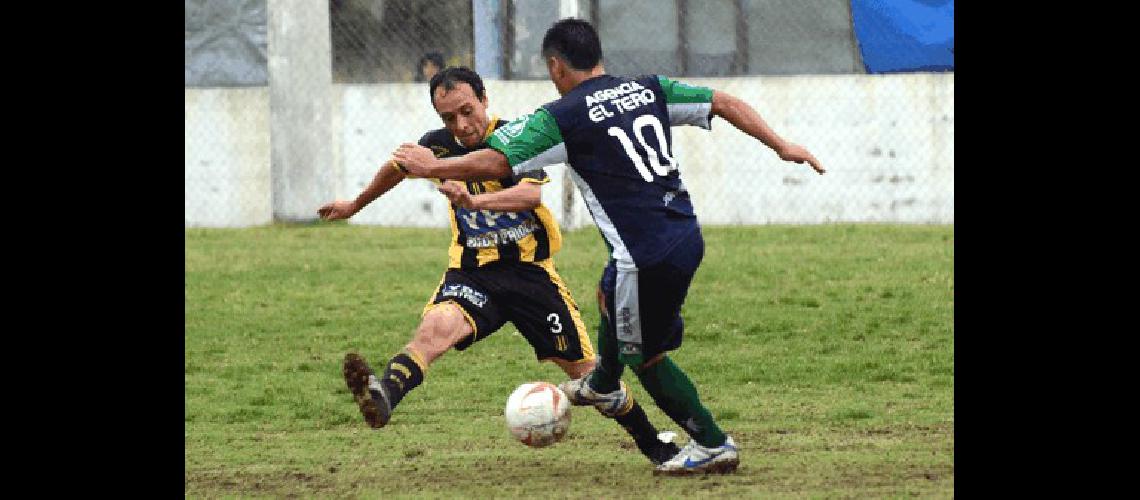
(695, 458)
(369, 393)
(609, 404)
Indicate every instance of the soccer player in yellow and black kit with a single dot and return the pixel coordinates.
(500, 269)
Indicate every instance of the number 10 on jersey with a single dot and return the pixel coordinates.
(639, 124)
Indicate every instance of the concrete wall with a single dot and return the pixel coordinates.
(886, 140)
(227, 157)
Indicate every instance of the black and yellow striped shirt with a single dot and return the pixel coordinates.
(479, 237)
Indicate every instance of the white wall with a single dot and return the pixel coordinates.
(886, 141)
(227, 157)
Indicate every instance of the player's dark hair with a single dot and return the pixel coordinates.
(574, 41)
(450, 76)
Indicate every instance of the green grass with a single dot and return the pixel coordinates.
(826, 351)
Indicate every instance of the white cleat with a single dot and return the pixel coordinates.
(609, 404)
(695, 458)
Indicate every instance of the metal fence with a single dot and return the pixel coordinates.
(887, 140)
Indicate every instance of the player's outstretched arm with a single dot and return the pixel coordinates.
(518, 198)
(388, 175)
(484, 164)
(745, 118)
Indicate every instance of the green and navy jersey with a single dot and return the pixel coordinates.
(479, 237)
(614, 133)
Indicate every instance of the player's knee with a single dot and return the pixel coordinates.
(577, 370)
(441, 328)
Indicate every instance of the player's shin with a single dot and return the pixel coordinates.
(676, 395)
(404, 372)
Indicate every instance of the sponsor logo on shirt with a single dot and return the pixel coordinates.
(512, 129)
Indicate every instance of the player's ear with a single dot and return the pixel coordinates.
(553, 67)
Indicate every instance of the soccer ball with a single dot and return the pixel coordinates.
(538, 414)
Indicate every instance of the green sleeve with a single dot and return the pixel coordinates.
(687, 104)
(530, 142)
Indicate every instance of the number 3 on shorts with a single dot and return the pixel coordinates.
(556, 324)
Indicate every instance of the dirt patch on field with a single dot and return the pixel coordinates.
(280, 484)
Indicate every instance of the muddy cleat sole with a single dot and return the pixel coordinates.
(697, 459)
(370, 395)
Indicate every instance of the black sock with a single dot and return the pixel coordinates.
(401, 376)
(636, 423)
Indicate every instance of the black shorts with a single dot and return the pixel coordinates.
(530, 295)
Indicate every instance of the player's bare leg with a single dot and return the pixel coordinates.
(575, 369)
(441, 328)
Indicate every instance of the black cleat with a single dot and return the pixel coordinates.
(369, 393)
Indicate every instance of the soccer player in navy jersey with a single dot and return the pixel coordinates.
(614, 133)
(500, 269)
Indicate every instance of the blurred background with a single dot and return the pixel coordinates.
(294, 103)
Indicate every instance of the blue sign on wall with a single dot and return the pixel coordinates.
(905, 35)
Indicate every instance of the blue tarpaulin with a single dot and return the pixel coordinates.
(905, 35)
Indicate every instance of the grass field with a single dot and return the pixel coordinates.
(827, 352)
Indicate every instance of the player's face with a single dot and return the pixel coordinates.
(464, 115)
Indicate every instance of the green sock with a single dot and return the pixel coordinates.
(675, 394)
(607, 373)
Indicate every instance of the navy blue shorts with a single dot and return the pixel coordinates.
(643, 305)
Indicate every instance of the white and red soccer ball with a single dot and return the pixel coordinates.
(538, 414)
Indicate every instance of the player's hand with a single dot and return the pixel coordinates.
(339, 209)
(458, 195)
(417, 159)
(797, 153)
